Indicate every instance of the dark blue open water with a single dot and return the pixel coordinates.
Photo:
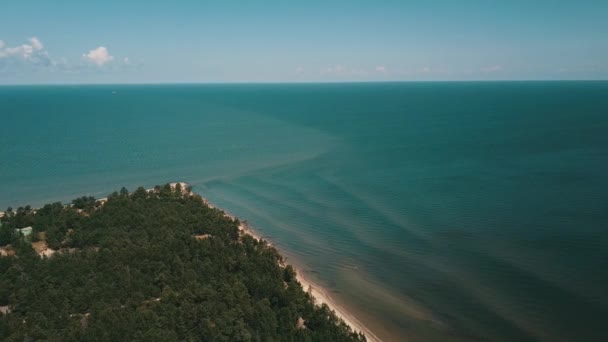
(435, 211)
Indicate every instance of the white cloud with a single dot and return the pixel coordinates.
(340, 70)
(334, 70)
(343, 71)
(24, 51)
(34, 52)
(492, 68)
(299, 70)
(381, 69)
(36, 44)
(99, 56)
(32, 56)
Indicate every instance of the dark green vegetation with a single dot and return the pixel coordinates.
(132, 269)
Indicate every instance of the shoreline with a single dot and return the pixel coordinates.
(320, 295)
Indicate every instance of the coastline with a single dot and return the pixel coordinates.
(320, 295)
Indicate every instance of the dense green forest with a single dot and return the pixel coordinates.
(155, 265)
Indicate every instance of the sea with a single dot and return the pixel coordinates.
(456, 211)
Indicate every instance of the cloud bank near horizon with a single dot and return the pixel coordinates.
(32, 56)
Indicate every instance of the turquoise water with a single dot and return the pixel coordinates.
(435, 211)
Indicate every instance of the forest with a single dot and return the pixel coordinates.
(149, 265)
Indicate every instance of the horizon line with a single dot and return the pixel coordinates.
(299, 82)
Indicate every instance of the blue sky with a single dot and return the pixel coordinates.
(110, 41)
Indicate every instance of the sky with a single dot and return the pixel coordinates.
(110, 41)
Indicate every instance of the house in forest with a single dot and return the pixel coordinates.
(24, 231)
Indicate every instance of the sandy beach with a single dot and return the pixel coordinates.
(320, 295)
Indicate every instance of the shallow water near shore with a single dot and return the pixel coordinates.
(434, 211)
